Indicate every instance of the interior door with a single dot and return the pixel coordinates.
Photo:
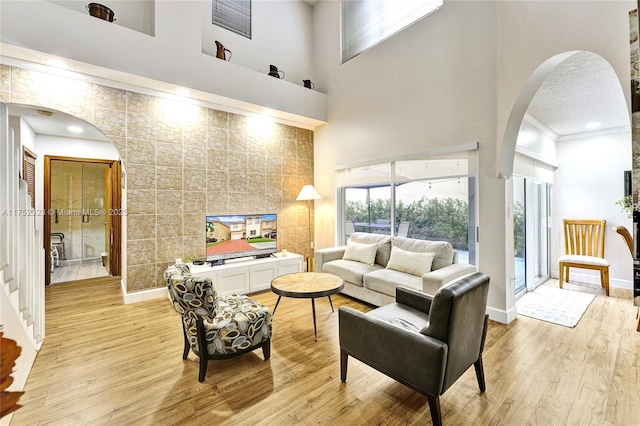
(108, 230)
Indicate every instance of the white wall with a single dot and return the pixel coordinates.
(429, 87)
(452, 78)
(137, 15)
(589, 181)
(286, 46)
(537, 141)
(174, 55)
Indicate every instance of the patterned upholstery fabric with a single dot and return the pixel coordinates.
(232, 323)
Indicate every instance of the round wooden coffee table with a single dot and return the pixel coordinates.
(307, 285)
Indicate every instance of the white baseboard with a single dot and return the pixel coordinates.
(595, 280)
(141, 296)
(502, 316)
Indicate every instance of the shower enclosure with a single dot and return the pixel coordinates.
(79, 198)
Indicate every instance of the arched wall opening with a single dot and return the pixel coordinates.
(579, 156)
(45, 131)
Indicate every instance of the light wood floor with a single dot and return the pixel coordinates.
(105, 363)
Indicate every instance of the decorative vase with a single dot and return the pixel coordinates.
(274, 72)
(100, 11)
(220, 54)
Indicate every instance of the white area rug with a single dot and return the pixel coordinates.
(556, 305)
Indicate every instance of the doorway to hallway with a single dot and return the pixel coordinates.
(84, 200)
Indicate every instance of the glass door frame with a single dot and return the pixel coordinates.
(537, 224)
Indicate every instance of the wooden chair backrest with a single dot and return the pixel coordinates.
(584, 237)
(624, 232)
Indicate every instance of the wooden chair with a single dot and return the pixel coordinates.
(584, 248)
(624, 232)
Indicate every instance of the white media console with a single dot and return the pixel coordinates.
(242, 276)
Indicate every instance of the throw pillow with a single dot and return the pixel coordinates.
(363, 253)
(410, 262)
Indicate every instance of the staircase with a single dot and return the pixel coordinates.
(21, 244)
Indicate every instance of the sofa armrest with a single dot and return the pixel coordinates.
(432, 281)
(325, 255)
(414, 298)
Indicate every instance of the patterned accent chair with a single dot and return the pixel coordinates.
(225, 327)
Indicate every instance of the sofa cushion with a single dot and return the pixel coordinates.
(383, 241)
(349, 270)
(386, 280)
(442, 249)
(363, 253)
(411, 262)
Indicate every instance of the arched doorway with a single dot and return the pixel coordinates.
(68, 227)
(570, 116)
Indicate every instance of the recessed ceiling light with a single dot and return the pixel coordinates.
(75, 129)
(593, 125)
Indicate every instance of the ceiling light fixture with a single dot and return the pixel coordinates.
(593, 125)
(75, 129)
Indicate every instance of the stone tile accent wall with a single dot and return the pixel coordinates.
(182, 162)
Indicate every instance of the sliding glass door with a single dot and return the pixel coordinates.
(428, 199)
(531, 223)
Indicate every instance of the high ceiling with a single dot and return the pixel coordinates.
(583, 89)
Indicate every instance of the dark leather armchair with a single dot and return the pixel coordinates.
(425, 342)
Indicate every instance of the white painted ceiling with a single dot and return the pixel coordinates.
(57, 124)
(582, 89)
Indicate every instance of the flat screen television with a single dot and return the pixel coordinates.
(240, 235)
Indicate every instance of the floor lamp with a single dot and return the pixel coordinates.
(309, 193)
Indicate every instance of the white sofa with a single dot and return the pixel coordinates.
(373, 265)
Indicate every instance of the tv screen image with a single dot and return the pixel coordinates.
(241, 235)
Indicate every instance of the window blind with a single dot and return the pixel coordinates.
(29, 174)
(234, 15)
(366, 23)
(532, 168)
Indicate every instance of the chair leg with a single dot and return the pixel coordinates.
(479, 366)
(203, 368)
(187, 346)
(434, 406)
(266, 349)
(561, 273)
(344, 358)
(604, 278)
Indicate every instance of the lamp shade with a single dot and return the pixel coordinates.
(308, 192)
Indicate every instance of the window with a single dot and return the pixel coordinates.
(366, 23)
(234, 15)
(29, 174)
(427, 199)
